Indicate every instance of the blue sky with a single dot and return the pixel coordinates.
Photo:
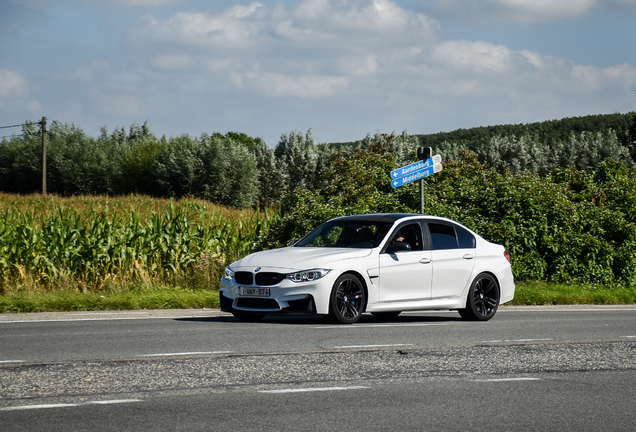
(343, 68)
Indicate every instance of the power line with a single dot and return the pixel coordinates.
(23, 124)
(19, 125)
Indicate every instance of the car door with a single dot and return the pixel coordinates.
(406, 275)
(452, 257)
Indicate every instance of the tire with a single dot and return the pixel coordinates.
(483, 299)
(347, 299)
(386, 315)
(247, 316)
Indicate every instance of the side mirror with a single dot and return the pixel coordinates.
(398, 246)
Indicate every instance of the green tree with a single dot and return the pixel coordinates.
(229, 174)
(79, 164)
(175, 166)
(298, 156)
(354, 183)
(272, 177)
(21, 162)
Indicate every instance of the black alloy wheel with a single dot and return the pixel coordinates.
(483, 299)
(347, 299)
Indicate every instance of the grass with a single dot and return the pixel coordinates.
(544, 293)
(166, 297)
(174, 297)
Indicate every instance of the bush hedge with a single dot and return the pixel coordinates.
(571, 226)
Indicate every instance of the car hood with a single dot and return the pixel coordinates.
(298, 258)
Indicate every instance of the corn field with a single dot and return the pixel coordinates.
(103, 244)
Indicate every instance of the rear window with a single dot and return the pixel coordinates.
(446, 236)
(442, 236)
(464, 238)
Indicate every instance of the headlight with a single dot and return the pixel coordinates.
(307, 275)
(229, 273)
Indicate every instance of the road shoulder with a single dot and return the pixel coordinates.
(193, 313)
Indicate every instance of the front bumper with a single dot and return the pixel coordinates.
(302, 306)
(286, 297)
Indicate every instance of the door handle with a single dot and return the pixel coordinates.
(468, 256)
(425, 260)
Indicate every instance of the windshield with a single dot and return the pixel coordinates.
(347, 233)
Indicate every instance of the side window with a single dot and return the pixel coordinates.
(411, 234)
(443, 236)
(466, 239)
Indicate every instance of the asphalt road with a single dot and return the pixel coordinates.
(528, 369)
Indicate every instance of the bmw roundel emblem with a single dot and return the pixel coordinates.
(257, 269)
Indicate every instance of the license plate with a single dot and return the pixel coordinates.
(259, 292)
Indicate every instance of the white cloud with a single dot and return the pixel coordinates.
(311, 22)
(87, 72)
(309, 86)
(233, 28)
(477, 57)
(593, 79)
(35, 4)
(343, 67)
(27, 107)
(542, 10)
(12, 83)
(517, 10)
(361, 56)
(484, 69)
(173, 62)
(126, 3)
(116, 104)
(142, 3)
(368, 65)
(310, 51)
(378, 21)
(372, 15)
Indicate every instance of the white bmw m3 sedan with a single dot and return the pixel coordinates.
(381, 264)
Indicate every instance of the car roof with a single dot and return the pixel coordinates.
(385, 217)
(393, 217)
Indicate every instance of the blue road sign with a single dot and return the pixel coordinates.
(415, 167)
(416, 175)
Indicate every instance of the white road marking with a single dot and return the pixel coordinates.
(67, 405)
(12, 361)
(33, 321)
(508, 379)
(364, 326)
(516, 340)
(372, 346)
(629, 336)
(316, 389)
(184, 353)
(102, 313)
(565, 308)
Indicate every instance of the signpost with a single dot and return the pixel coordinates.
(425, 167)
(422, 172)
(417, 166)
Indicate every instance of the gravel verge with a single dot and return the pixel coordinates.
(223, 372)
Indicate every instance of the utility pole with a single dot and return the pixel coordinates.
(43, 155)
(423, 153)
